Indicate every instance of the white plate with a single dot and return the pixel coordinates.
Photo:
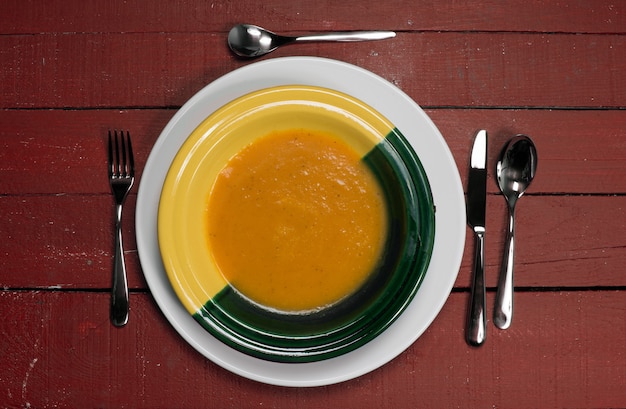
(427, 142)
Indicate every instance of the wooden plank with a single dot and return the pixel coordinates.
(579, 152)
(55, 359)
(32, 16)
(64, 151)
(561, 241)
(449, 69)
(66, 242)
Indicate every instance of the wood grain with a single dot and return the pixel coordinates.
(56, 359)
(62, 216)
(66, 242)
(58, 16)
(64, 151)
(448, 69)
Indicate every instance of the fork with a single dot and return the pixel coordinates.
(121, 177)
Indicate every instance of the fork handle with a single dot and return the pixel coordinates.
(119, 293)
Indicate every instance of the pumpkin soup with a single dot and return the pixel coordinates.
(296, 221)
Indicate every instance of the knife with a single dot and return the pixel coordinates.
(476, 203)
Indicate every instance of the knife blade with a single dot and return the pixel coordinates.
(476, 207)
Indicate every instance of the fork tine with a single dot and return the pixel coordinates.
(111, 164)
(123, 170)
(118, 164)
(121, 162)
(131, 161)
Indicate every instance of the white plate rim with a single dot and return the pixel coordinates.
(436, 159)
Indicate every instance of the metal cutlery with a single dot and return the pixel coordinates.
(247, 40)
(515, 171)
(476, 206)
(121, 177)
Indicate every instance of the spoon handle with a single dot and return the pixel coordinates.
(348, 36)
(503, 312)
(477, 321)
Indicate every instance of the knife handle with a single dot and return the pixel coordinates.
(477, 321)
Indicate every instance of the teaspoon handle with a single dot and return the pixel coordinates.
(503, 311)
(477, 321)
(348, 36)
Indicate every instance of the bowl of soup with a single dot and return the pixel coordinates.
(296, 224)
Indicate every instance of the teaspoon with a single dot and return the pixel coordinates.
(515, 171)
(247, 40)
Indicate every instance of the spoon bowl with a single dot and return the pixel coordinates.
(247, 40)
(515, 171)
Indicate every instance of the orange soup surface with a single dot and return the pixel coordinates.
(296, 221)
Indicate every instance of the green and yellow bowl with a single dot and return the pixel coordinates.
(319, 333)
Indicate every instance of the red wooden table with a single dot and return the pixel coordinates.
(70, 70)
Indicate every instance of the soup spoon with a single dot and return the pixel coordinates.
(247, 40)
(515, 171)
